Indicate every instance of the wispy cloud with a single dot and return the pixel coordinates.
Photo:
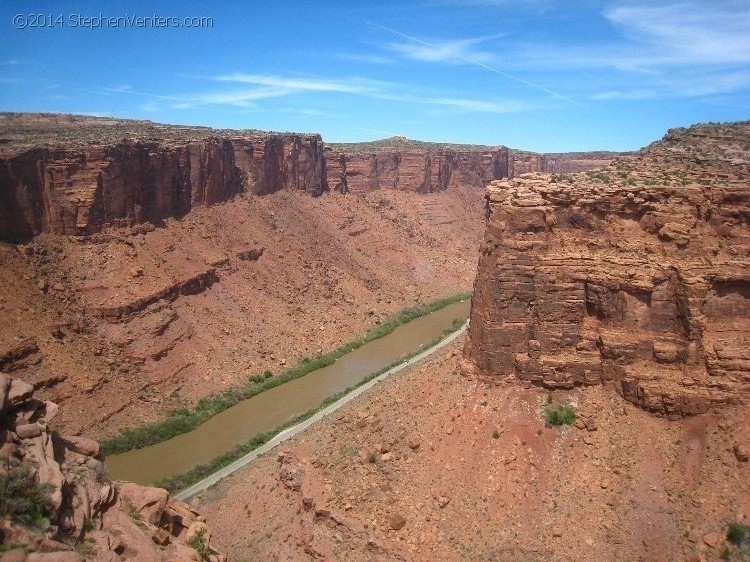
(369, 59)
(459, 50)
(686, 33)
(266, 87)
(501, 106)
(672, 50)
(304, 84)
(238, 98)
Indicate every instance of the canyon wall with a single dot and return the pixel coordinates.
(409, 169)
(557, 162)
(74, 175)
(638, 276)
(77, 190)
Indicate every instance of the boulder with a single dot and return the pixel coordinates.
(82, 445)
(28, 431)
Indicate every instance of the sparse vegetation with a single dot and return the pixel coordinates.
(182, 481)
(132, 512)
(558, 415)
(198, 543)
(185, 420)
(22, 498)
(737, 533)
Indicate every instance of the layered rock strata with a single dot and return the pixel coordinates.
(77, 190)
(75, 175)
(88, 517)
(410, 169)
(640, 279)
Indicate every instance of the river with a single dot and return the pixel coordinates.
(271, 408)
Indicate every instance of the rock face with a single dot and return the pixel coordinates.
(88, 516)
(75, 175)
(79, 187)
(409, 169)
(557, 163)
(637, 276)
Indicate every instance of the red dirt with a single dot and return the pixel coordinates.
(620, 492)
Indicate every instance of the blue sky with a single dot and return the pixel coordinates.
(537, 74)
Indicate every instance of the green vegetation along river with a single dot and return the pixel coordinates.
(271, 408)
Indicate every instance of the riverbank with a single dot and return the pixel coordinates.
(184, 420)
(193, 482)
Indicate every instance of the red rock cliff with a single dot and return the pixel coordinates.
(86, 516)
(74, 175)
(65, 187)
(411, 169)
(636, 276)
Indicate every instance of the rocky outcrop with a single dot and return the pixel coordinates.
(59, 504)
(414, 169)
(638, 276)
(80, 188)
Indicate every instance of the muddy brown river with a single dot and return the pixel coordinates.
(273, 407)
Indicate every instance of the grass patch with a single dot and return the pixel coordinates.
(737, 533)
(182, 481)
(22, 498)
(185, 420)
(558, 415)
(198, 543)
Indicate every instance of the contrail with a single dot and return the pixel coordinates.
(480, 64)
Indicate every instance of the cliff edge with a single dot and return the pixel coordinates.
(637, 275)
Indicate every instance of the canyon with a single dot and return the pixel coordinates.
(136, 238)
(618, 292)
(146, 266)
(74, 175)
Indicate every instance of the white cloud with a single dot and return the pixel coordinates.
(483, 106)
(459, 51)
(304, 84)
(454, 51)
(276, 86)
(238, 98)
(369, 59)
(686, 33)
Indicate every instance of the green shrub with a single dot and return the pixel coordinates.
(737, 532)
(198, 542)
(181, 481)
(558, 415)
(22, 498)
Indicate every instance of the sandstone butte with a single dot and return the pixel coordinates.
(637, 276)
